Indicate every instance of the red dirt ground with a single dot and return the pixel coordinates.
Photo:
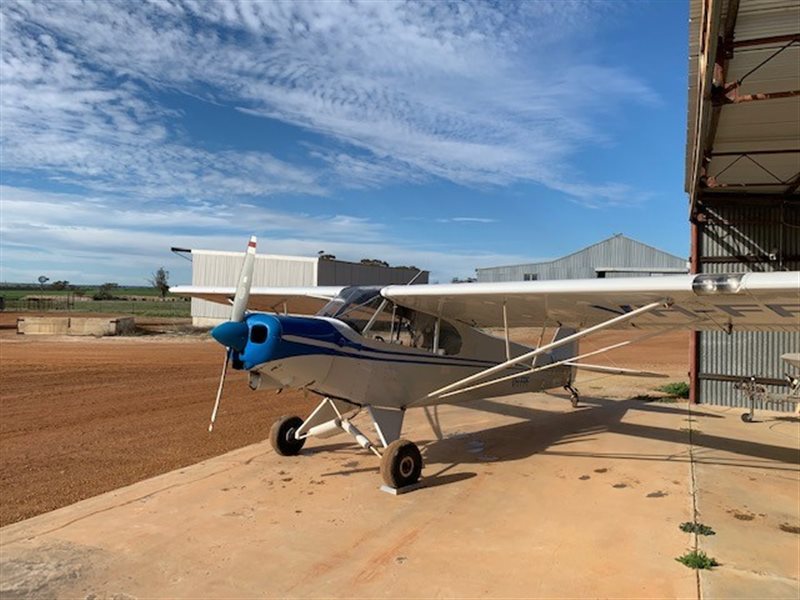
(81, 416)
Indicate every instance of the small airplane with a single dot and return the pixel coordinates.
(386, 349)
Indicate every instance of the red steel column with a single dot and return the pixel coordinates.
(694, 336)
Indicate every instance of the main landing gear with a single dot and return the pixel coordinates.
(401, 460)
(401, 464)
(282, 437)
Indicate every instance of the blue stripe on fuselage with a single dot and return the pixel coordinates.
(317, 331)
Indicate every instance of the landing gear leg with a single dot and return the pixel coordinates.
(574, 398)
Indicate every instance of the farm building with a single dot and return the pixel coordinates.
(216, 268)
(618, 256)
(743, 174)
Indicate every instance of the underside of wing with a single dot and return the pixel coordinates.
(751, 301)
(293, 300)
(605, 369)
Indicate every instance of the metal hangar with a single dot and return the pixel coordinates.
(743, 173)
(617, 256)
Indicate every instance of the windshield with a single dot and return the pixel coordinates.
(355, 306)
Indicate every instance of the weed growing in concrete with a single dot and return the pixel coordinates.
(697, 559)
(678, 389)
(697, 528)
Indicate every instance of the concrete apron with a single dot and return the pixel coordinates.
(524, 498)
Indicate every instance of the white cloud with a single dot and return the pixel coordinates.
(482, 220)
(471, 92)
(56, 232)
(476, 93)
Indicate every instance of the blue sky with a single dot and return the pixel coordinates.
(447, 136)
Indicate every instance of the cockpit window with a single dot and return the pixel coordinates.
(368, 313)
(356, 306)
(420, 330)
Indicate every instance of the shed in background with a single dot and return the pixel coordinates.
(217, 268)
(617, 256)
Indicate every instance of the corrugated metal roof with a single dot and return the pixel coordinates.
(759, 139)
(617, 254)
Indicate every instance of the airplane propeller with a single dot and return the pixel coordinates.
(233, 333)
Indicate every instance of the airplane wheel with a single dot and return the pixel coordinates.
(747, 417)
(574, 399)
(401, 464)
(282, 436)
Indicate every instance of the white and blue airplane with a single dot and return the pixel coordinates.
(386, 349)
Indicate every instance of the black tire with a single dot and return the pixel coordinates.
(747, 417)
(574, 400)
(281, 436)
(401, 464)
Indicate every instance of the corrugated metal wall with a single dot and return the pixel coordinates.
(617, 252)
(222, 269)
(737, 239)
(335, 272)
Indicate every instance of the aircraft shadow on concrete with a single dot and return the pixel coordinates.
(546, 432)
(550, 433)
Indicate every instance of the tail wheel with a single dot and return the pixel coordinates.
(281, 436)
(401, 464)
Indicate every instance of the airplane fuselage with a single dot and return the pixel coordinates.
(326, 356)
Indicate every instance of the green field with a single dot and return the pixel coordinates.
(127, 301)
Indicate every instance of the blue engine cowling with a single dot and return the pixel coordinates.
(260, 338)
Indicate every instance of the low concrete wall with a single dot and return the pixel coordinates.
(43, 325)
(206, 321)
(75, 326)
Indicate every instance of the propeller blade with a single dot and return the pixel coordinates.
(219, 391)
(245, 281)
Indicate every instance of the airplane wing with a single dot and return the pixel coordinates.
(751, 301)
(294, 300)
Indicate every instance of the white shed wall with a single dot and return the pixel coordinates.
(222, 268)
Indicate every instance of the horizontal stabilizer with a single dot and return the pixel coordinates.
(615, 370)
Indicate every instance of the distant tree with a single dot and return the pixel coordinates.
(60, 285)
(160, 281)
(106, 291)
(466, 280)
(327, 257)
(374, 262)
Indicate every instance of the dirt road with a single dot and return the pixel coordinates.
(82, 416)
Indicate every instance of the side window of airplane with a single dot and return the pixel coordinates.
(449, 339)
(422, 329)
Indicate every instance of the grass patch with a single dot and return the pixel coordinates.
(678, 389)
(697, 559)
(697, 528)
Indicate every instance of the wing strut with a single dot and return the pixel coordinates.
(570, 362)
(466, 381)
